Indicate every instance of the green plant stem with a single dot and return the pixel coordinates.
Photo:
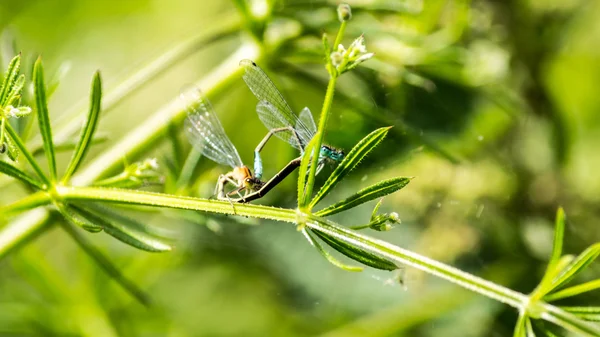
(140, 139)
(320, 135)
(340, 35)
(133, 197)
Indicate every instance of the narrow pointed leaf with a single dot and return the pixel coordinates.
(529, 328)
(11, 149)
(43, 116)
(14, 172)
(559, 233)
(328, 256)
(87, 133)
(372, 192)
(358, 153)
(12, 73)
(303, 173)
(577, 265)
(106, 264)
(586, 313)
(357, 254)
(74, 216)
(574, 291)
(520, 330)
(17, 144)
(546, 286)
(129, 231)
(14, 94)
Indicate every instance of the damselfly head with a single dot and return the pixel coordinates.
(331, 153)
(253, 183)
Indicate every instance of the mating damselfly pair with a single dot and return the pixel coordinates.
(205, 132)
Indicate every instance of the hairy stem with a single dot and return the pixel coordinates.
(320, 135)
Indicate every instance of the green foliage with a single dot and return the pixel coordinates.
(436, 55)
(44, 116)
(367, 194)
(351, 160)
(87, 133)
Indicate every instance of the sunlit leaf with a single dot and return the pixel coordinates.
(520, 330)
(43, 116)
(559, 233)
(357, 154)
(586, 313)
(372, 192)
(546, 285)
(328, 256)
(529, 328)
(574, 291)
(14, 172)
(10, 78)
(80, 219)
(87, 133)
(576, 266)
(356, 254)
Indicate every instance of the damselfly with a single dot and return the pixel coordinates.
(206, 134)
(278, 117)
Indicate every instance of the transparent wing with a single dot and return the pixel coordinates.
(265, 90)
(205, 132)
(309, 128)
(272, 119)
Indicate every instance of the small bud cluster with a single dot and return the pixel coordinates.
(347, 59)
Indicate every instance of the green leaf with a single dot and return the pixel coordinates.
(43, 117)
(106, 265)
(126, 230)
(559, 233)
(78, 218)
(328, 256)
(574, 291)
(14, 172)
(355, 253)
(358, 152)
(87, 133)
(520, 330)
(586, 313)
(545, 285)
(576, 266)
(14, 95)
(529, 328)
(372, 192)
(11, 148)
(303, 172)
(10, 78)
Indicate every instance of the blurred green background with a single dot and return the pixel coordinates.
(495, 112)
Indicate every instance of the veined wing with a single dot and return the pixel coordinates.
(205, 132)
(273, 119)
(308, 128)
(265, 90)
